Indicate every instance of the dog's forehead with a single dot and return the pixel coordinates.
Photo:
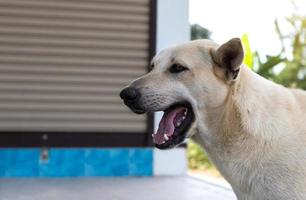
(184, 51)
(164, 57)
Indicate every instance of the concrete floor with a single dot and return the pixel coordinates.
(157, 188)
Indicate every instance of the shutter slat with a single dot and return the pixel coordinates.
(72, 33)
(32, 22)
(46, 116)
(68, 52)
(32, 59)
(102, 98)
(73, 14)
(78, 126)
(62, 78)
(72, 107)
(34, 88)
(78, 5)
(47, 41)
(51, 69)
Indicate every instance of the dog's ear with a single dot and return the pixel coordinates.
(229, 57)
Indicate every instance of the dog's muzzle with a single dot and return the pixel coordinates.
(131, 97)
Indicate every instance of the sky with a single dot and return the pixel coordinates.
(232, 18)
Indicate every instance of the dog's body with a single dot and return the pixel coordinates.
(253, 129)
(259, 139)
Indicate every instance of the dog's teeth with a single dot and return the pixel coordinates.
(152, 135)
(183, 117)
(178, 123)
(166, 137)
(164, 142)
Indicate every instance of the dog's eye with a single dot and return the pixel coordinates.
(177, 68)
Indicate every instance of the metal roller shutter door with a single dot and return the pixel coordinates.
(63, 63)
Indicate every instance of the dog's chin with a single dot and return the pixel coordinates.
(135, 107)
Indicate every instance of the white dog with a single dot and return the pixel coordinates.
(252, 129)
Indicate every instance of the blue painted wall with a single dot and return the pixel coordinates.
(76, 162)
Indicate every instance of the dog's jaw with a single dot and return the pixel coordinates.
(174, 126)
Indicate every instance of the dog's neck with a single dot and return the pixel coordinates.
(240, 113)
(231, 132)
(252, 97)
(235, 114)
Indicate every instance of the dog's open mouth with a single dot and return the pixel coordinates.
(173, 126)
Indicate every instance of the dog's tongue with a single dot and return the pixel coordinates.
(166, 124)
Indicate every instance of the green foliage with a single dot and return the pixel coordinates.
(292, 56)
(197, 158)
(198, 32)
(265, 69)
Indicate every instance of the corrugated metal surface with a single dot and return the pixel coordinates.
(63, 63)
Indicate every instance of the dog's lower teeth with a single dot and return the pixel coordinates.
(166, 137)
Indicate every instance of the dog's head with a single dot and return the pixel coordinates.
(184, 81)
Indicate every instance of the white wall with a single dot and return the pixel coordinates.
(172, 23)
(172, 28)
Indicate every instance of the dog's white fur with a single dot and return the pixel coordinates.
(252, 129)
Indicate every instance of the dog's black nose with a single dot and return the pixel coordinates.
(129, 94)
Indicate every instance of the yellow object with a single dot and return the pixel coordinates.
(248, 55)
